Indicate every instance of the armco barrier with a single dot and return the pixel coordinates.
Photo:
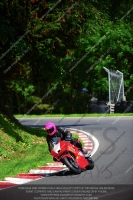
(124, 107)
(99, 107)
(102, 107)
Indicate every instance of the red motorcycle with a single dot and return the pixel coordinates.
(71, 156)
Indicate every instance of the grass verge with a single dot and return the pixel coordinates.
(22, 148)
(73, 115)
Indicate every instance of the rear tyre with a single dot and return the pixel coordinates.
(91, 164)
(72, 165)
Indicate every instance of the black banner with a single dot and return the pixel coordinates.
(68, 192)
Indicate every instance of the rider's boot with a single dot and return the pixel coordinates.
(85, 152)
(79, 145)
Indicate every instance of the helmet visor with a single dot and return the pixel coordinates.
(50, 130)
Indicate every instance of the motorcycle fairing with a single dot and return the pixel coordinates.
(56, 148)
(81, 161)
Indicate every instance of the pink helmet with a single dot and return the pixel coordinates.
(50, 128)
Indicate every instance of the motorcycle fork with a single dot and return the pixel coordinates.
(66, 152)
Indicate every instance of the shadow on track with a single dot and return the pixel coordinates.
(66, 126)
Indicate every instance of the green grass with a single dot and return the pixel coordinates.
(21, 148)
(35, 156)
(73, 115)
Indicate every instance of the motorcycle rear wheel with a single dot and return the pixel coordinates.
(69, 162)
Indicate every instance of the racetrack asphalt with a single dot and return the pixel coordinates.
(114, 157)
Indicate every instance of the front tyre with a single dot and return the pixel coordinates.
(72, 165)
(91, 164)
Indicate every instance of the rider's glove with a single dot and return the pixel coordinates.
(68, 138)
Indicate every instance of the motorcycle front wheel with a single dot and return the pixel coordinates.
(91, 164)
(72, 165)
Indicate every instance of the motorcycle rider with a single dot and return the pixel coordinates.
(55, 132)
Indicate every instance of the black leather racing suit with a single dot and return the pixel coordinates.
(65, 135)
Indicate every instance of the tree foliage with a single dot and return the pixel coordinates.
(51, 50)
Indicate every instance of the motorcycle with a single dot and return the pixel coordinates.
(71, 156)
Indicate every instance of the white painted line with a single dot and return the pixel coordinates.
(17, 180)
(86, 140)
(56, 163)
(63, 166)
(41, 171)
(83, 136)
(46, 172)
(96, 143)
(88, 145)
